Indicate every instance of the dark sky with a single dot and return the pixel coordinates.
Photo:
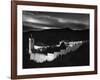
(53, 20)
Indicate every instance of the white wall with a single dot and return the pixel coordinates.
(5, 40)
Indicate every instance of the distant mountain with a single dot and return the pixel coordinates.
(54, 35)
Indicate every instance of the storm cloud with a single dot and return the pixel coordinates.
(53, 20)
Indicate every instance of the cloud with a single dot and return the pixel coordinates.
(34, 18)
(41, 21)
